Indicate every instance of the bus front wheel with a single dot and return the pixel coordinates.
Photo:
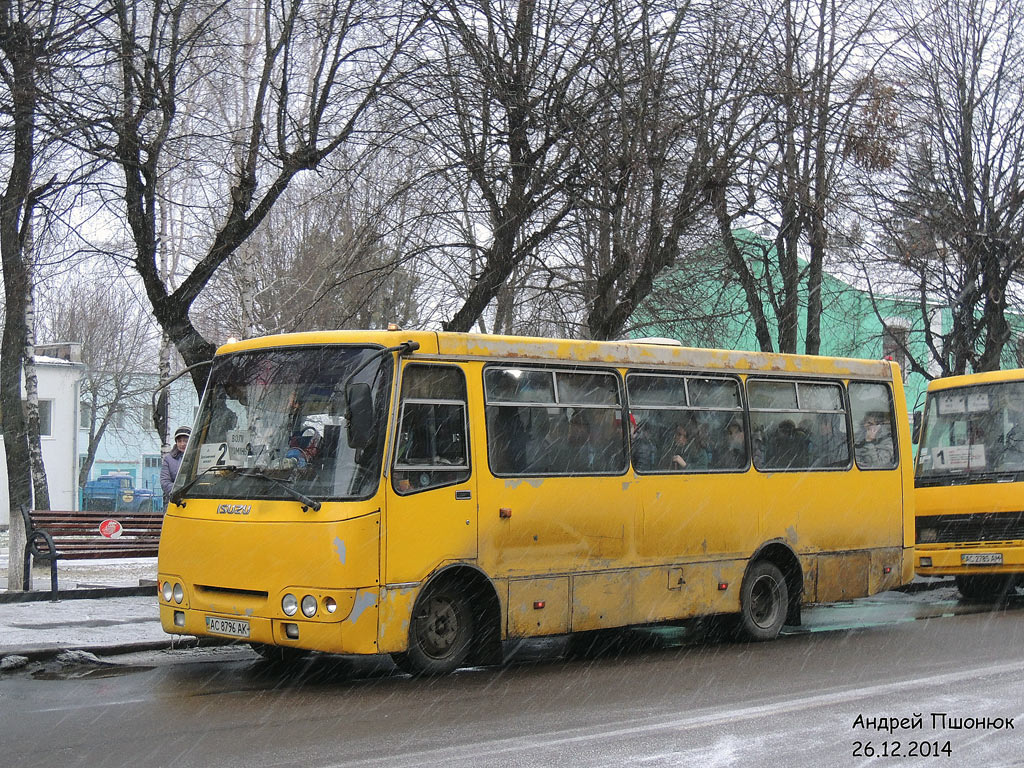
(988, 588)
(440, 633)
(764, 597)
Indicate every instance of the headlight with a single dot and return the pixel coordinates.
(179, 593)
(330, 605)
(309, 606)
(165, 590)
(928, 535)
(289, 604)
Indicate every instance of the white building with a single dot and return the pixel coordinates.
(58, 425)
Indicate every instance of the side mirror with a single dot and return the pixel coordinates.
(915, 435)
(359, 406)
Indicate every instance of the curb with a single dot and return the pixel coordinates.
(88, 593)
(43, 653)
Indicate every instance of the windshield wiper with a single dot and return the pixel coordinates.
(307, 503)
(175, 497)
(296, 495)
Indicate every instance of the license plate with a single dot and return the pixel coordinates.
(984, 558)
(230, 627)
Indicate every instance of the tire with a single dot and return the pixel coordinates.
(764, 599)
(278, 654)
(988, 589)
(440, 633)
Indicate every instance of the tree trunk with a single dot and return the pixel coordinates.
(40, 487)
(18, 44)
(735, 258)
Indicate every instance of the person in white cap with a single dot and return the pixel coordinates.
(172, 459)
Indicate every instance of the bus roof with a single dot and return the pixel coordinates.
(633, 353)
(973, 379)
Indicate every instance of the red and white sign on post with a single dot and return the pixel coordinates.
(110, 528)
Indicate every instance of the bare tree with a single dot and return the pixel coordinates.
(954, 215)
(502, 87)
(41, 46)
(682, 85)
(321, 259)
(789, 181)
(322, 67)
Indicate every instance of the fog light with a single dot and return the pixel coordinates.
(329, 605)
(179, 618)
(926, 562)
(179, 593)
(289, 604)
(309, 606)
(291, 631)
(165, 590)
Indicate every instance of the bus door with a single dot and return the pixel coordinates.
(431, 495)
(556, 511)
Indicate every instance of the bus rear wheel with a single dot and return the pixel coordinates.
(440, 633)
(764, 598)
(988, 588)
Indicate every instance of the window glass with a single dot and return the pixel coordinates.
(657, 390)
(820, 397)
(670, 437)
(519, 385)
(970, 432)
(555, 436)
(45, 418)
(771, 395)
(433, 383)
(587, 388)
(279, 414)
(432, 448)
(714, 393)
(874, 425)
(785, 436)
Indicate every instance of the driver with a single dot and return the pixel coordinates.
(303, 447)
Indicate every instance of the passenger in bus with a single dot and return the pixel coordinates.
(508, 440)
(828, 444)
(735, 454)
(875, 448)
(644, 452)
(686, 452)
(788, 447)
(582, 452)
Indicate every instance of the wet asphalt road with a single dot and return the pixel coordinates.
(666, 699)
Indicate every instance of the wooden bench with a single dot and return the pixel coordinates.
(53, 535)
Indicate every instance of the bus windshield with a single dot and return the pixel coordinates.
(272, 423)
(973, 434)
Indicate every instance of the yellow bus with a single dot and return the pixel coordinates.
(969, 483)
(428, 495)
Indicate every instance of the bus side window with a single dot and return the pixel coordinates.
(550, 421)
(433, 428)
(874, 425)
